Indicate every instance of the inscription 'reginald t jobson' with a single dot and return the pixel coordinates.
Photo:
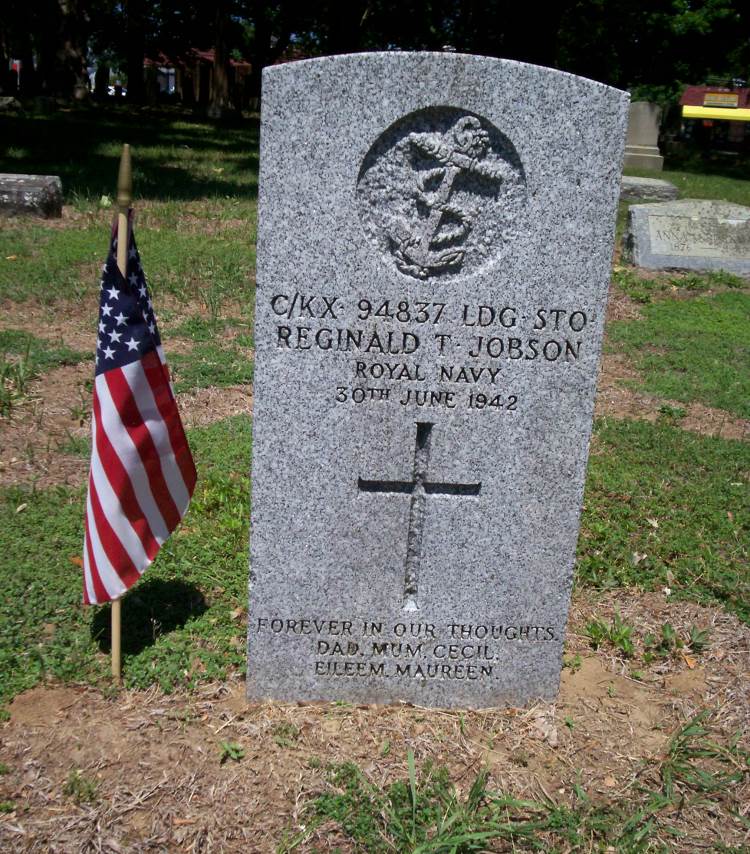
(433, 260)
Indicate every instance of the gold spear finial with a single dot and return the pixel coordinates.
(125, 181)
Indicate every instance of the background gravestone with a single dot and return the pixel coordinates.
(434, 250)
(40, 195)
(642, 148)
(690, 234)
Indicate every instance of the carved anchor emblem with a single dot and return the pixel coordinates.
(444, 225)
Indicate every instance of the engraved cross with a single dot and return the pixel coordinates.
(419, 487)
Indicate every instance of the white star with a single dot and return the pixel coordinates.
(104, 268)
(121, 319)
(131, 253)
(142, 291)
(151, 328)
(115, 336)
(150, 305)
(101, 326)
(107, 310)
(132, 344)
(133, 279)
(113, 293)
(109, 352)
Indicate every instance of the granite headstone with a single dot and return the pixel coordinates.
(40, 195)
(642, 147)
(434, 250)
(690, 234)
(634, 189)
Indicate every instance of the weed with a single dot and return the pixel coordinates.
(7, 806)
(573, 663)
(4, 769)
(75, 446)
(22, 358)
(424, 814)
(697, 765)
(698, 640)
(668, 643)
(618, 634)
(639, 289)
(285, 734)
(671, 414)
(231, 750)
(82, 789)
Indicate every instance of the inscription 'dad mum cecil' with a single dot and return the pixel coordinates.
(433, 259)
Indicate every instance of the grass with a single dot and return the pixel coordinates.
(726, 184)
(694, 488)
(693, 350)
(23, 357)
(181, 623)
(425, 814)
(188, 174)
(210, 365)
(175, 156)
(52, 265)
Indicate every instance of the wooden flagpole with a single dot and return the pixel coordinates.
(124, 199)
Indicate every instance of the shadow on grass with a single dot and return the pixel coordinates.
(154, 608)
(167, 147)
(709, 163)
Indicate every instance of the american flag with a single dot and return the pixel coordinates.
(142, 473)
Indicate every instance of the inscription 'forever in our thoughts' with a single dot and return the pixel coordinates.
(427, 334)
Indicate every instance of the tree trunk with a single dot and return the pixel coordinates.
(135, 31)
(266, 50)
(219, 101)
(344, 26)
(101, 82)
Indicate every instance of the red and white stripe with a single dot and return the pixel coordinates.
(141, 480)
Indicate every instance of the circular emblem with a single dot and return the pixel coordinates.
(440, 193)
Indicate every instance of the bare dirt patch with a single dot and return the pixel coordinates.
(37, 440)
(160, 785)
(208, 405)
(616, 398)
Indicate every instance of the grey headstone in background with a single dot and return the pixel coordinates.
(40, 195)
(642, 148)
(646, 189)
(434, 249)
(691, 234)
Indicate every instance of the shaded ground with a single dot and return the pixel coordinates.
(151, 764)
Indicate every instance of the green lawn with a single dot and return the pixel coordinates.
(693, 349)
(727, 184)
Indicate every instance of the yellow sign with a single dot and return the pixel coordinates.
(715, 113)
(721, 99)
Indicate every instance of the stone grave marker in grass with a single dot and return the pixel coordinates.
(435, 238)
(30, 194)
(690, 234)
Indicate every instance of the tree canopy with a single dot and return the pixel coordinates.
(646, 45)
